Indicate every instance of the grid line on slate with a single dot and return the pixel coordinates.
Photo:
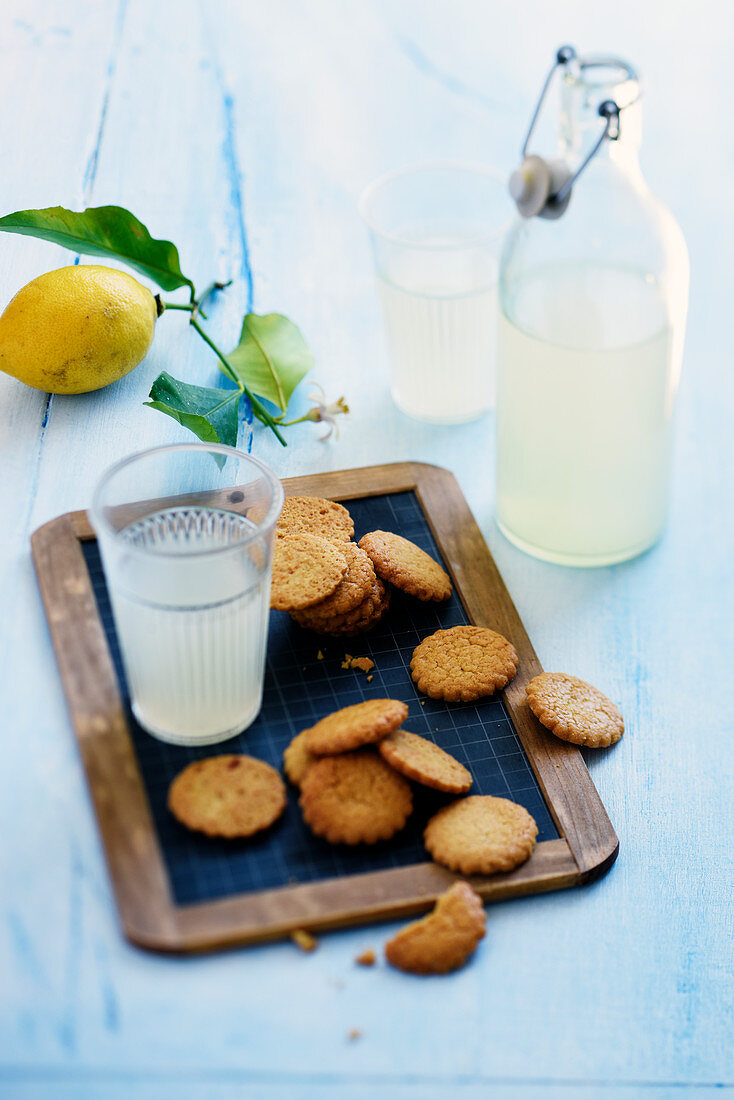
(299, 689)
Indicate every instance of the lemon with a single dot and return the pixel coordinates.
(76, 329)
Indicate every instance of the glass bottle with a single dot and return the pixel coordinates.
(593, 304)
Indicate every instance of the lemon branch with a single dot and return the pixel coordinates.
(269, 361)
(257, 407)
(193, 308)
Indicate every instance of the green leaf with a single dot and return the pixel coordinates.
(103, 231)
(211, 414)
(271, 358)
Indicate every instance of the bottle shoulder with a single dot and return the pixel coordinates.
(613, 219)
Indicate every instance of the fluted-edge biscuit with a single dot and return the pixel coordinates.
(463, 663)
(574, 710)
(355, 798)
(424, 762)
(354, 587)
(363, 610)
(443, 940)
(371, 614)
(402, 563)
(361, 724)
(480, 835)
(317, 516)
(228, 796)
(306, 569)
(297, 759)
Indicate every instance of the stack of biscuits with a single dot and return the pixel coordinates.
(330, 584)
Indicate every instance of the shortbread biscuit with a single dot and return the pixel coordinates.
(405, 565)
(574, 710)
(306, 569)
(480, 835)
(355, 798)
(463, 663)
(317, 516)
(424, 762)
(350, 727)
(332, 625)
(355, 586)
(297, 759)
(443, 940)
(370, 615)
(229, 796)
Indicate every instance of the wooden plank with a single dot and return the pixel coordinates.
(624, 988)
(376, 896)
(149, 916)
(192, 204)
(93, 697)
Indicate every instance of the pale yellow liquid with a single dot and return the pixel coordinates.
(442, 348)
(584, 408)
(192, 630)
(439, 303)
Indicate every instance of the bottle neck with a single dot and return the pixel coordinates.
(587, 84)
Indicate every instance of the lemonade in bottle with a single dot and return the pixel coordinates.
(592, 294)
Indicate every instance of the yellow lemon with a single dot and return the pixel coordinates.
(77, 329)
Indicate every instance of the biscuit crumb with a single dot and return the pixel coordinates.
(304, 940)
(353, 1034)
(364, 664)
(320, 655)
(370, 679)
(367, 958)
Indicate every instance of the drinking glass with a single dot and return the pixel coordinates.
(436, 232)
(186, 538)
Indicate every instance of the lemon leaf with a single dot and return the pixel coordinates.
(109, 231)
(211, 414)
(271, 357)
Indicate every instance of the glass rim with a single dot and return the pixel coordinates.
(101, 524)
(470, 169)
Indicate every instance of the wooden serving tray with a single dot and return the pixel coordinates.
(152, 917)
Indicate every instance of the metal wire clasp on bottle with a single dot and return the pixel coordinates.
(542, 186)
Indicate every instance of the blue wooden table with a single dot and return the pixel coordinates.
(245, 132)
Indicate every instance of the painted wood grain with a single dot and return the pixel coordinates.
(245, 132)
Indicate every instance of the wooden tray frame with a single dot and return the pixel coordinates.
(150, 917)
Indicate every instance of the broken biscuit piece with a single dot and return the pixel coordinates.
(443, 940)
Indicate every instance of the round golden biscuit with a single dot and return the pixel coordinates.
(463, 663)
(574, 710)
(380, 605)
(443, 940)
(354, 587)
(316, 516)
(424, 762)
(333, 625)
(355, 798)
(306, 569)
(480, 835)
(402, 563)
(228, 796)
(361, 724)
(366, 615)
(297, 759)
